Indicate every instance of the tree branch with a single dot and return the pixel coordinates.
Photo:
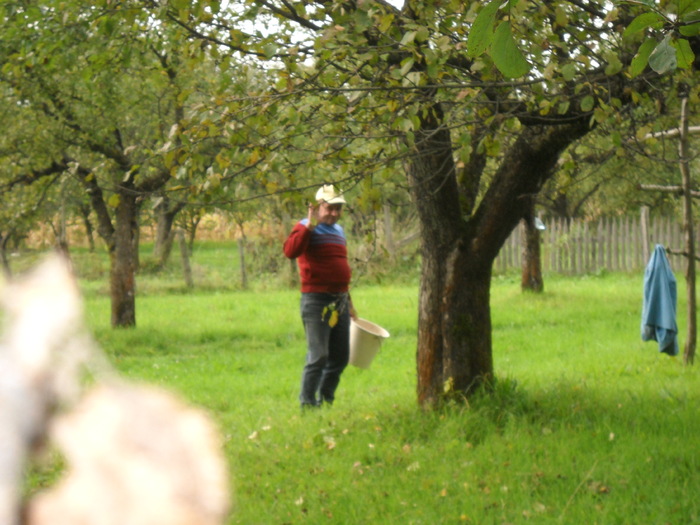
(33, 176)
(669, 133)
(676, 190)
(681, 253)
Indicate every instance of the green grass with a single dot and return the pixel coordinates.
(587, 423)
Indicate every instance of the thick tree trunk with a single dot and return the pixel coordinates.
(454, 354)
(123, 259)
(122, 245)
(442, 365)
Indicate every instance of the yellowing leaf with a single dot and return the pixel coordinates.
(385, 23)
(449, 385)
(114, 200)
(254, 157)
(333, 319)
(643, 132)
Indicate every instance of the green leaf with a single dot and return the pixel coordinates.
(406, 66)
(663, 58)
(422, 34)
(642, 22)
(641, 59)
(481, 33)
(561, 17)
(684, 54)
(385, 22)
(692, 16)
(690, 30)
(506, 55)
(568, 71)
(270, 50)
(687, 6)
(408, 37)
(587, 103)
(614, 64)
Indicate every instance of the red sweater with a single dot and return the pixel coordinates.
(322, 257)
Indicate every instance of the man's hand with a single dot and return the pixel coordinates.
(312, 217)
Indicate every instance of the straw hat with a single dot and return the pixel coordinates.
(328, 194)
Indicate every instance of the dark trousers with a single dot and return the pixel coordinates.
(328, 348)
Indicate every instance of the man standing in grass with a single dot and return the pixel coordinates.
(318, 243)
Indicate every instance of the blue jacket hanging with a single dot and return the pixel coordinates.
(659, 309)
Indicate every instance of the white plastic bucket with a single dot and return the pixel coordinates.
(365, 340)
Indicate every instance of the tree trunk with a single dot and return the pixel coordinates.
(62, 234)
(454, 332)
(165, 236)
(120, 238)
(690, 343)
(185, 257)
(123, 263)
(454, 354)
(454, 335)
(192, 226)
(89, 230)
(6, 269)
(531, 278)
(163, 246)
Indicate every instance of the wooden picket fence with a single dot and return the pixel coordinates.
(579, 247)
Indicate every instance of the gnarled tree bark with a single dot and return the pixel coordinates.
(459, 245)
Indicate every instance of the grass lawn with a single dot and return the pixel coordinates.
(587, 425)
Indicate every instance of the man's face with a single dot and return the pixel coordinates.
(329, 213)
